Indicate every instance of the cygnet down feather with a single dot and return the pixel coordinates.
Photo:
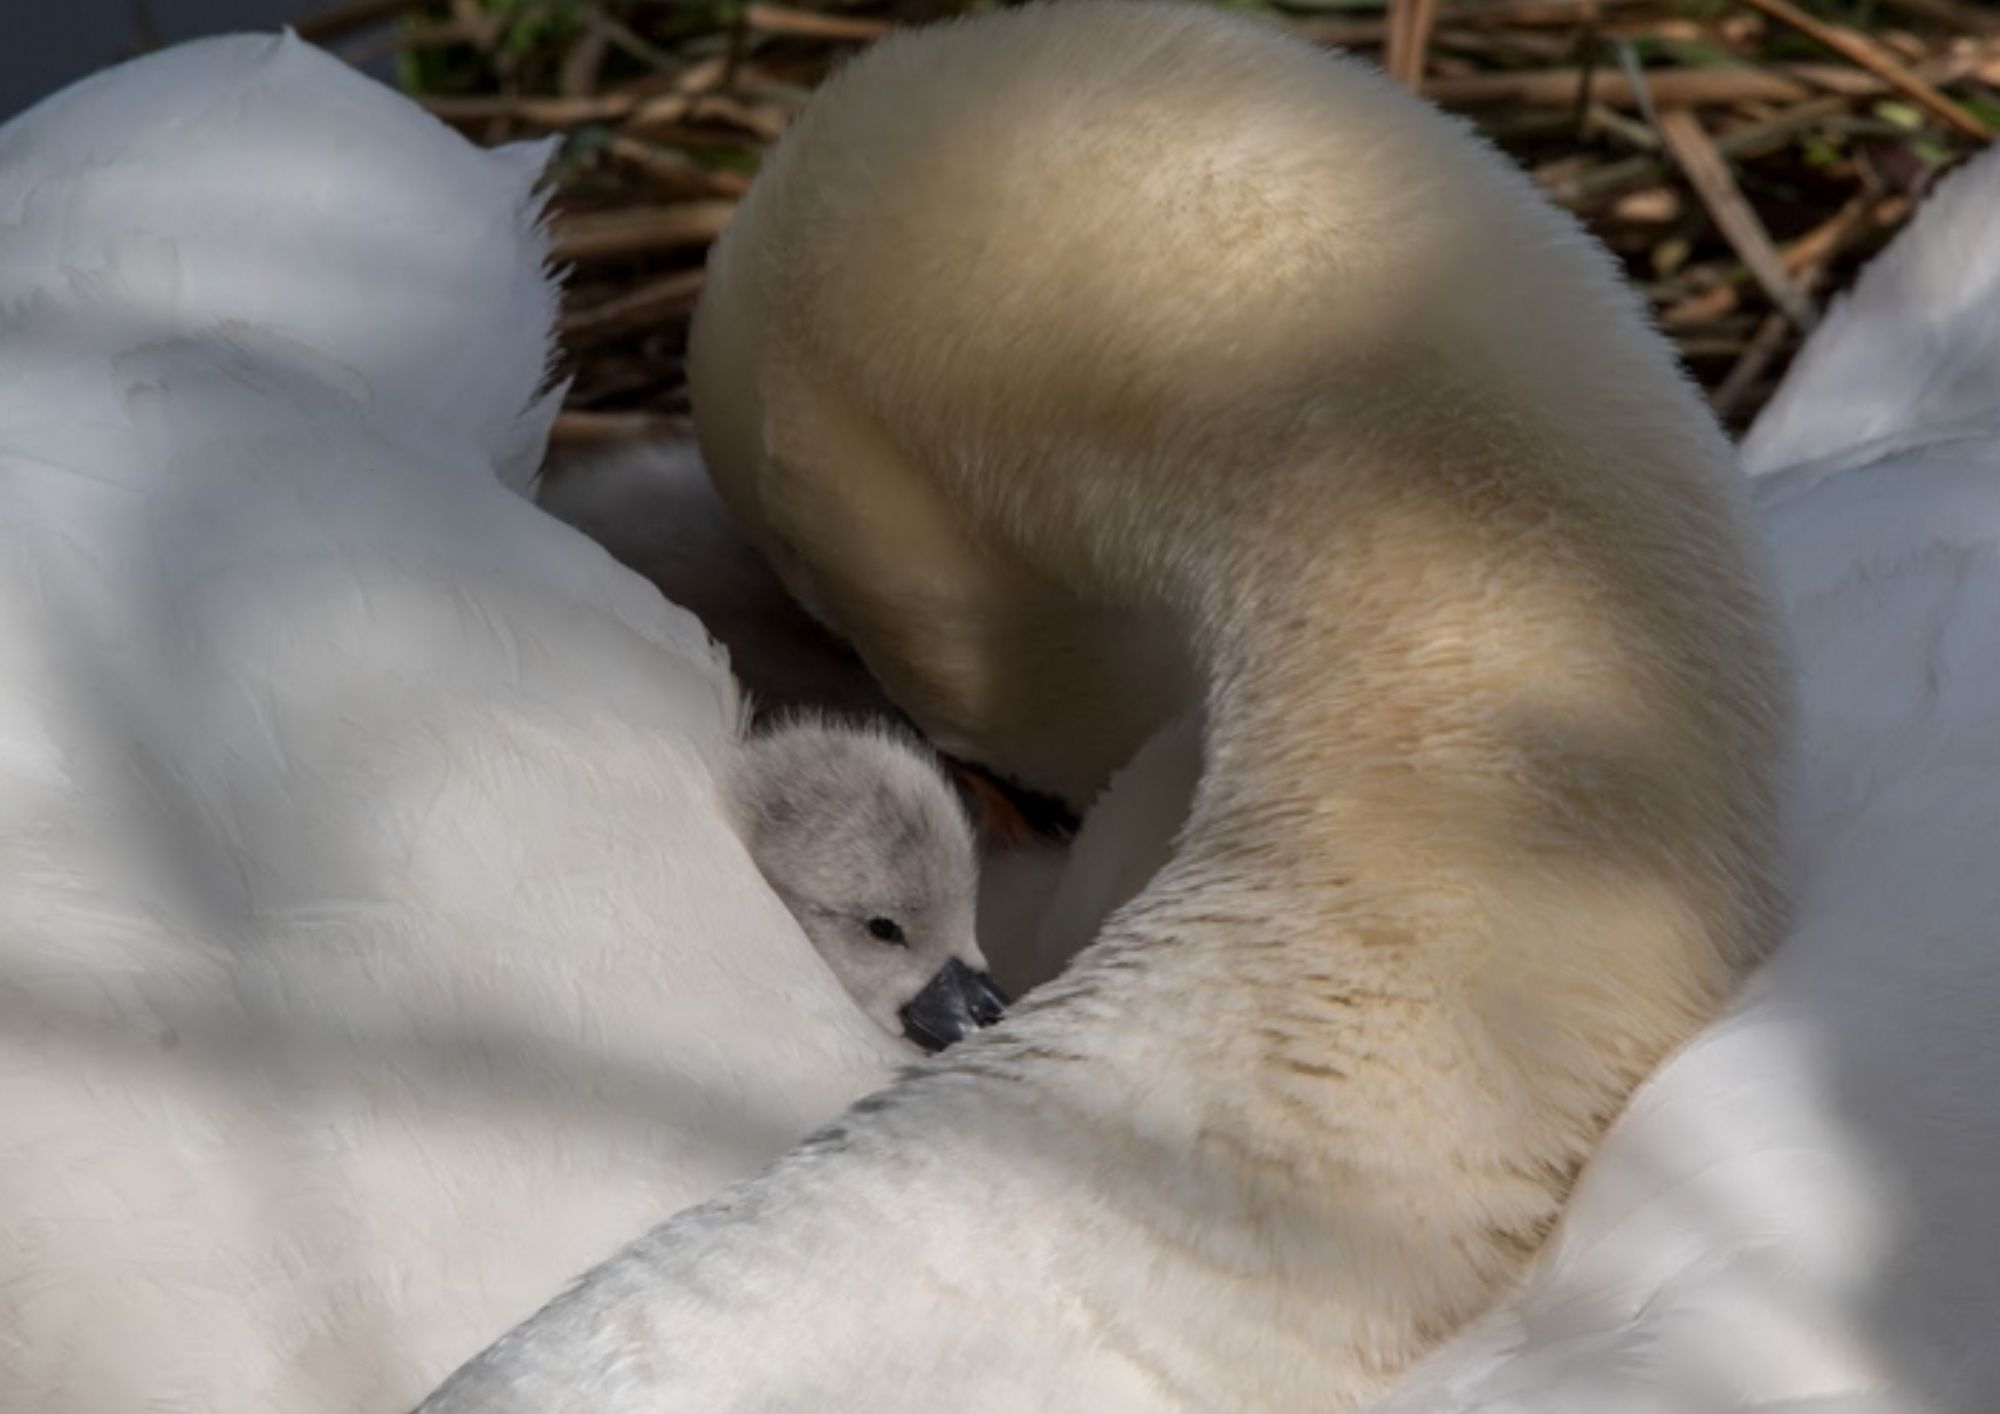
(861, 835)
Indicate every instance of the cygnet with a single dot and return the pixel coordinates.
(859, 832)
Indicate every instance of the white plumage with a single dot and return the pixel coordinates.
(352, 812)
(372, 943)
(1909, 357)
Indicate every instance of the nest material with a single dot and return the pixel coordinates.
(1742, 157)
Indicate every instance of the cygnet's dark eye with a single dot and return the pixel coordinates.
(888, 930)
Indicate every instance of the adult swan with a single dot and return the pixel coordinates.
(1077, 359)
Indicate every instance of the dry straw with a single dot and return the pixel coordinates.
(1742, 157)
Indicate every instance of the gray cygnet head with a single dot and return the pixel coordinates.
(858, 831)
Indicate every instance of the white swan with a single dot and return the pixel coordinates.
(375, 952)
(1071, 354)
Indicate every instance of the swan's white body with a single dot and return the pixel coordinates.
(374, 952)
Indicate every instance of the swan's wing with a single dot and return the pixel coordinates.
(250, 182)
(1912, 352)
(372, 955)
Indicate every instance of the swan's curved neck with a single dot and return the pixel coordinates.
(1472, 848)
(1486, 791)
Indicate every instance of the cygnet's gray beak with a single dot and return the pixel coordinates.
(956, 1002)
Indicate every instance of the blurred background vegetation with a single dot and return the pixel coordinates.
(1741, 157)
